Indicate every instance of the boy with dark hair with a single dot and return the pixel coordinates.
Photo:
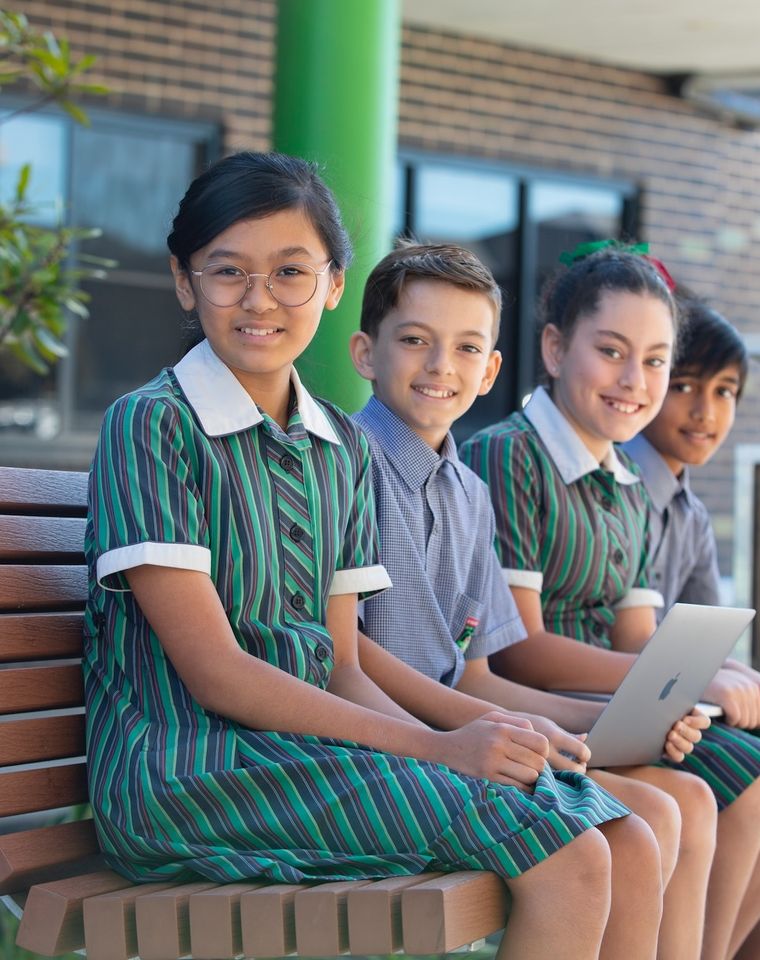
(706, 382)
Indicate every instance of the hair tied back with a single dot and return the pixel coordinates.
(583, 250)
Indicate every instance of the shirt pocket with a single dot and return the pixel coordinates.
(466, 618)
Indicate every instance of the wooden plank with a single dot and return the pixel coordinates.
(27, 539)
(322, 918)
(215, 921)
(33, 856)
(442, 915)
(22, 488)
(37, 587)
(38, 636)
(41, 687)
(33, 739)
(163, 924)
(374, 914)
(268, 921)
(45, 788)
(110, 931)
(52, 921)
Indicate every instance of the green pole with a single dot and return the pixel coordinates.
(335, 102)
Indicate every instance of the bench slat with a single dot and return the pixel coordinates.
(37, 587)
(215, 921)
(26, 539)
(46, 788)
(57, 490)
(52, 920)
(41, 688)
(41, 738)
(444, 914)
(268, 921)
(110, 931)
(163, 923)
(322, 918)
(374, 914)
(36, 856)
(37, 636)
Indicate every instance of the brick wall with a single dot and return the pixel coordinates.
(700, 179)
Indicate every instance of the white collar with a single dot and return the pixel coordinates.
(570, 454)
(223, 405)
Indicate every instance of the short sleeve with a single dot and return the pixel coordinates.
(501, 625)
(145, 506)
(358, 569)
(507, 465)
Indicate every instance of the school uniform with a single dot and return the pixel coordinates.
(190, 474)
(683, 554)
(574, 530)
(449, 603)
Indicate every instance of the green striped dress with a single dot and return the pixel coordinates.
(188, 473)
(575, 531)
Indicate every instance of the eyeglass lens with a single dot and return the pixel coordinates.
(292, 284)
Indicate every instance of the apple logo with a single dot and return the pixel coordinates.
(669, 686)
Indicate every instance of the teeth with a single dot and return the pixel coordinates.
(436, 394)
(255, 332)
(623, 407)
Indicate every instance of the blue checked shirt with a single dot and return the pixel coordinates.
(449, 601)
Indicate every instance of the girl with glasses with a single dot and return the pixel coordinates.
(231, 731)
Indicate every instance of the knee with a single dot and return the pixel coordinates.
(699, 815)
(578, 876)
(636, 857)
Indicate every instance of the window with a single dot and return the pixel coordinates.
(518, 222)
(124, 175)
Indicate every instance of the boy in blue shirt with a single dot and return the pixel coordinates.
(429, 324)
(706, 383)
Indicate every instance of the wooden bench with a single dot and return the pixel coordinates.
(51, 873)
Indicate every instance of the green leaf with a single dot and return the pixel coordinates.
(28, 356)
(78, 308)
(50, 346)
(75, 112)
(23, 181)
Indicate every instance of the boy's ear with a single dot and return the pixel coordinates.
(182, 285)
(552, 349)
(337, 286)
(361, 347)
(492, 371)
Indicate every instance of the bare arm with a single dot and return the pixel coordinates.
(186, 614)
(554, 662)
(632, 628)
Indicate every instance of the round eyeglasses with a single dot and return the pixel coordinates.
(291, 285)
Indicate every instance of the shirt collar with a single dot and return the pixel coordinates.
(223, 405)
(571, 456)
(413, 459)
(661, 483)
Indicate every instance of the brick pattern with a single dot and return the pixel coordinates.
(700, 178)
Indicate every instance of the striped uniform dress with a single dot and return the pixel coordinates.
(188, 473)
(576, 532)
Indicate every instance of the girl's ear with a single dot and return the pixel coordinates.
(361, 347)
(552, 349)
(337, 286)
(492, 369)
(182, 285)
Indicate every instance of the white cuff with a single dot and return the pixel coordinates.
(530, 579)
(360, 580)
(185, 556)
(640, 597)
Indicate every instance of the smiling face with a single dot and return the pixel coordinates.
(696, 417)
(433, 354)
(609, 379)
(258, 338)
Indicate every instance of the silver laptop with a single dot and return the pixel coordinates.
(666, 680)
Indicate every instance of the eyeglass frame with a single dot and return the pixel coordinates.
(268, 284)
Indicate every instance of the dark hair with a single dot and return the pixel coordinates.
(247, 186)
(445, 262)
(707, 342)
(575, 292)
